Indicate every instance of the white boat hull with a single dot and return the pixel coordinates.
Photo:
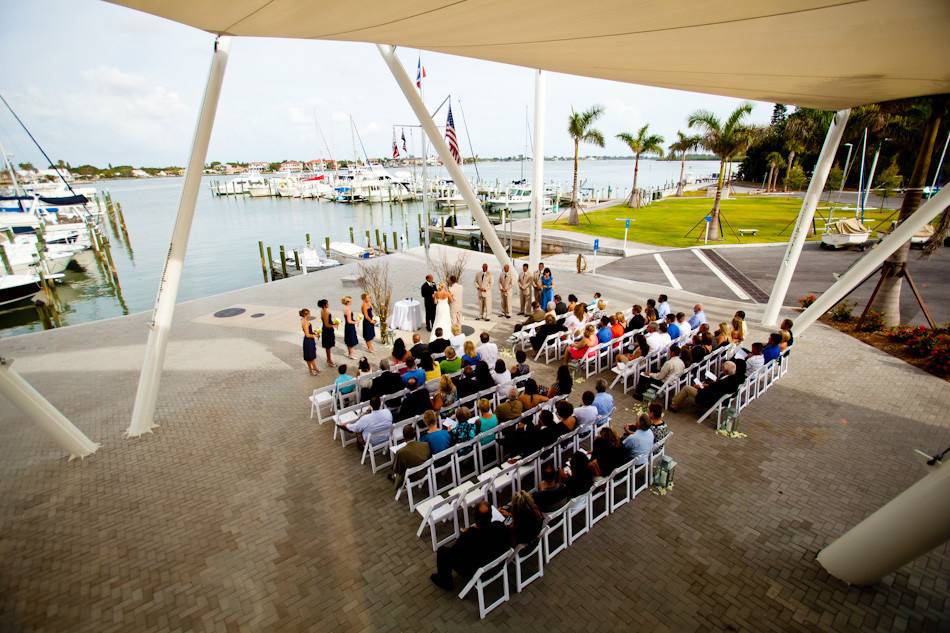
(840, 240)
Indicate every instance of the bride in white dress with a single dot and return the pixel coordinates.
(443, 316)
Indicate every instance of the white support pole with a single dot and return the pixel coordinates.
(37, 408)
(409, 91)
(143, 412)
(537, 188)
(910, 525)
(867, 190)
(805, 217)
(874, 258)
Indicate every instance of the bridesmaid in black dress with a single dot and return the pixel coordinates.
(327, 335)
(369, 323)
(309, 342)
(349, 327)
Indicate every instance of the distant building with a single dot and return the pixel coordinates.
(54, 174)
(315, 165)
(233, 169)
(259, 166)
(138, 173)
(291, 166)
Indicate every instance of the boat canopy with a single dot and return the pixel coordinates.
(849, 226)
(828, 54)
(59, 200)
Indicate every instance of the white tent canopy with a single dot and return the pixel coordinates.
(828, 54)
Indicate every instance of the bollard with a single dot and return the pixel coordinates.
(395, 241)
(297, 259)
(378, 241)
(385, 244)
(308, 241)
(352, 241)
(270, 263)
(369, 243)
(326, 244)
(283, 261)
(260, 246)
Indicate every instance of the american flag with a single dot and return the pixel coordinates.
(451, 138)
(404, 142)
(420, 73)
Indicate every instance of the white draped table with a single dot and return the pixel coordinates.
(407, 315)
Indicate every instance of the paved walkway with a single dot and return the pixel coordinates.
(240, 514)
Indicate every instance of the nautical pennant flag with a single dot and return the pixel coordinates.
(420, 73)
(451, 138)
(395, 148)
(404, 142)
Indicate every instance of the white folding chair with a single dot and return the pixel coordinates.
(473, 493)
(417, 477)
(443, 470)
(377, 447)
(620, 487)
(504, 479)
(599, 500)
(529, 466)
(578, 507)
(437, 510)
(489, 454)
(555, 530)
(528, 553)
(466, 462)
(496, 570)
(640, 477)
(322, 404)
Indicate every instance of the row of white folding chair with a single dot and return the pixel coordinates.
(694, 373)
(753, 386)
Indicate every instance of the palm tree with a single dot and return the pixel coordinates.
(794, 146)
(726, 139)
(579, 126)
(642, 143)
(682, 146)
(776, 162)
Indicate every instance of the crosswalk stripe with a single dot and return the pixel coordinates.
(722, 276)
(666, 271)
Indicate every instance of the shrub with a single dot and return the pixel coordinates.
(806, 301)
(841, 313)
(903, 333)
(873, 321)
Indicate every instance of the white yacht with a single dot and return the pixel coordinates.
(516, 198)
(310, 258)
(353, 251)
(258, 188)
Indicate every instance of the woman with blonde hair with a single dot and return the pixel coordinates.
(526, 518)
(457, 340)
(486, 421)
(581, 345)
(446, 395)
(349, 327)
(723, 335)
(470, 357)
(369, 322)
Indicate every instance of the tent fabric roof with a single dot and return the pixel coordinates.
(826, 54)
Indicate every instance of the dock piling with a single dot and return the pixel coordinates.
(283, 261)
(260, 246)
(385, 244)
(352, 241)
(326, 244)
(297, 260)
(270, 263)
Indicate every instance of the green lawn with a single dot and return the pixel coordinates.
(666, 222)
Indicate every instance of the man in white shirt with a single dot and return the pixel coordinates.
(654, 340)
(755, 359)
(686, 330)
(662, 306)
(487, 350)
(670, 370)
(698, 318)
(665, 339)
(379, 419)
(586, 414)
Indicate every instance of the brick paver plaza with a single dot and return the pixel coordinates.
(240, 514)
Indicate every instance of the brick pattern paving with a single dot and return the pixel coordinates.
(240, 514)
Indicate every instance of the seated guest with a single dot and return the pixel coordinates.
(470, 356)
(650, 313)
(639, 440)
(446, 395)
(432, 370)
(755, 360)
(723, 336)
(452, 363)
(774, 348)
(706, 394)
(541, 334)
(511, 407)
(546, 428)
(365, 381)
(575, 320)
(697, 353)
(522, 439)
(414, 453)
(482, 543)
(487, 351)
(457, 340)
(698, 318)
(464, 429)
(665, 338)
(549, 310)
(683, 324)
(641, 347)
(559, 306)
(607, 453)
(521, 365)
(536, 316)
(435, 436)
(617, 325)
(583, 344)
(686, 355)
(566, 422)
(655, 340)
(580, 479)
(418, 347)
(671, 328)
(671, 369)
(526, 518)
(551, 493)
(413, 372)
(637, 321)
(483, 378)
(415, 403)
(400, 353)
(378, 419)
(587, 413)
(786, 337)
(486, 421)
(706, 338)
(531, 396)
(662, 306)
(344, 379)
(604, 332)
(571, 303)
(501, 376)
(465, 384)
(786, 326)
(563, 382)
(438, 344)
(739, 328)
(657, 423)
(603, 400)
(388, 382)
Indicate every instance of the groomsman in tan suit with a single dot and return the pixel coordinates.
(525, 284)
(483, 284)
(536, 281)
(505, 281)
(455, 303)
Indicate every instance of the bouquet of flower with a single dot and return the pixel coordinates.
(336, 322)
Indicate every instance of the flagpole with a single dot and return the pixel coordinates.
(425, 180)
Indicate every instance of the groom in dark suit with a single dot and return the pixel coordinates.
(428, 289)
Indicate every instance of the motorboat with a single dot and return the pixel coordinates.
(845, 233)
(287, 187)
(311, 259)
(317, 186)
(922, 236)
(19, 287)
(259, 188)
(23, 256)
(353, 251)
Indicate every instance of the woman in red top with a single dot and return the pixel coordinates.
(579, 348)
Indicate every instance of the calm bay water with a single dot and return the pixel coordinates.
(223, 251)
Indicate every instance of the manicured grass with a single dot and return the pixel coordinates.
(666, 222)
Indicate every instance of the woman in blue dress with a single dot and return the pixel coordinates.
(547, 288)
(327, 335)
(309, 342)
(349, 327)
(369, 323)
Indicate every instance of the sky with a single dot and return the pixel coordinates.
(97, 83)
